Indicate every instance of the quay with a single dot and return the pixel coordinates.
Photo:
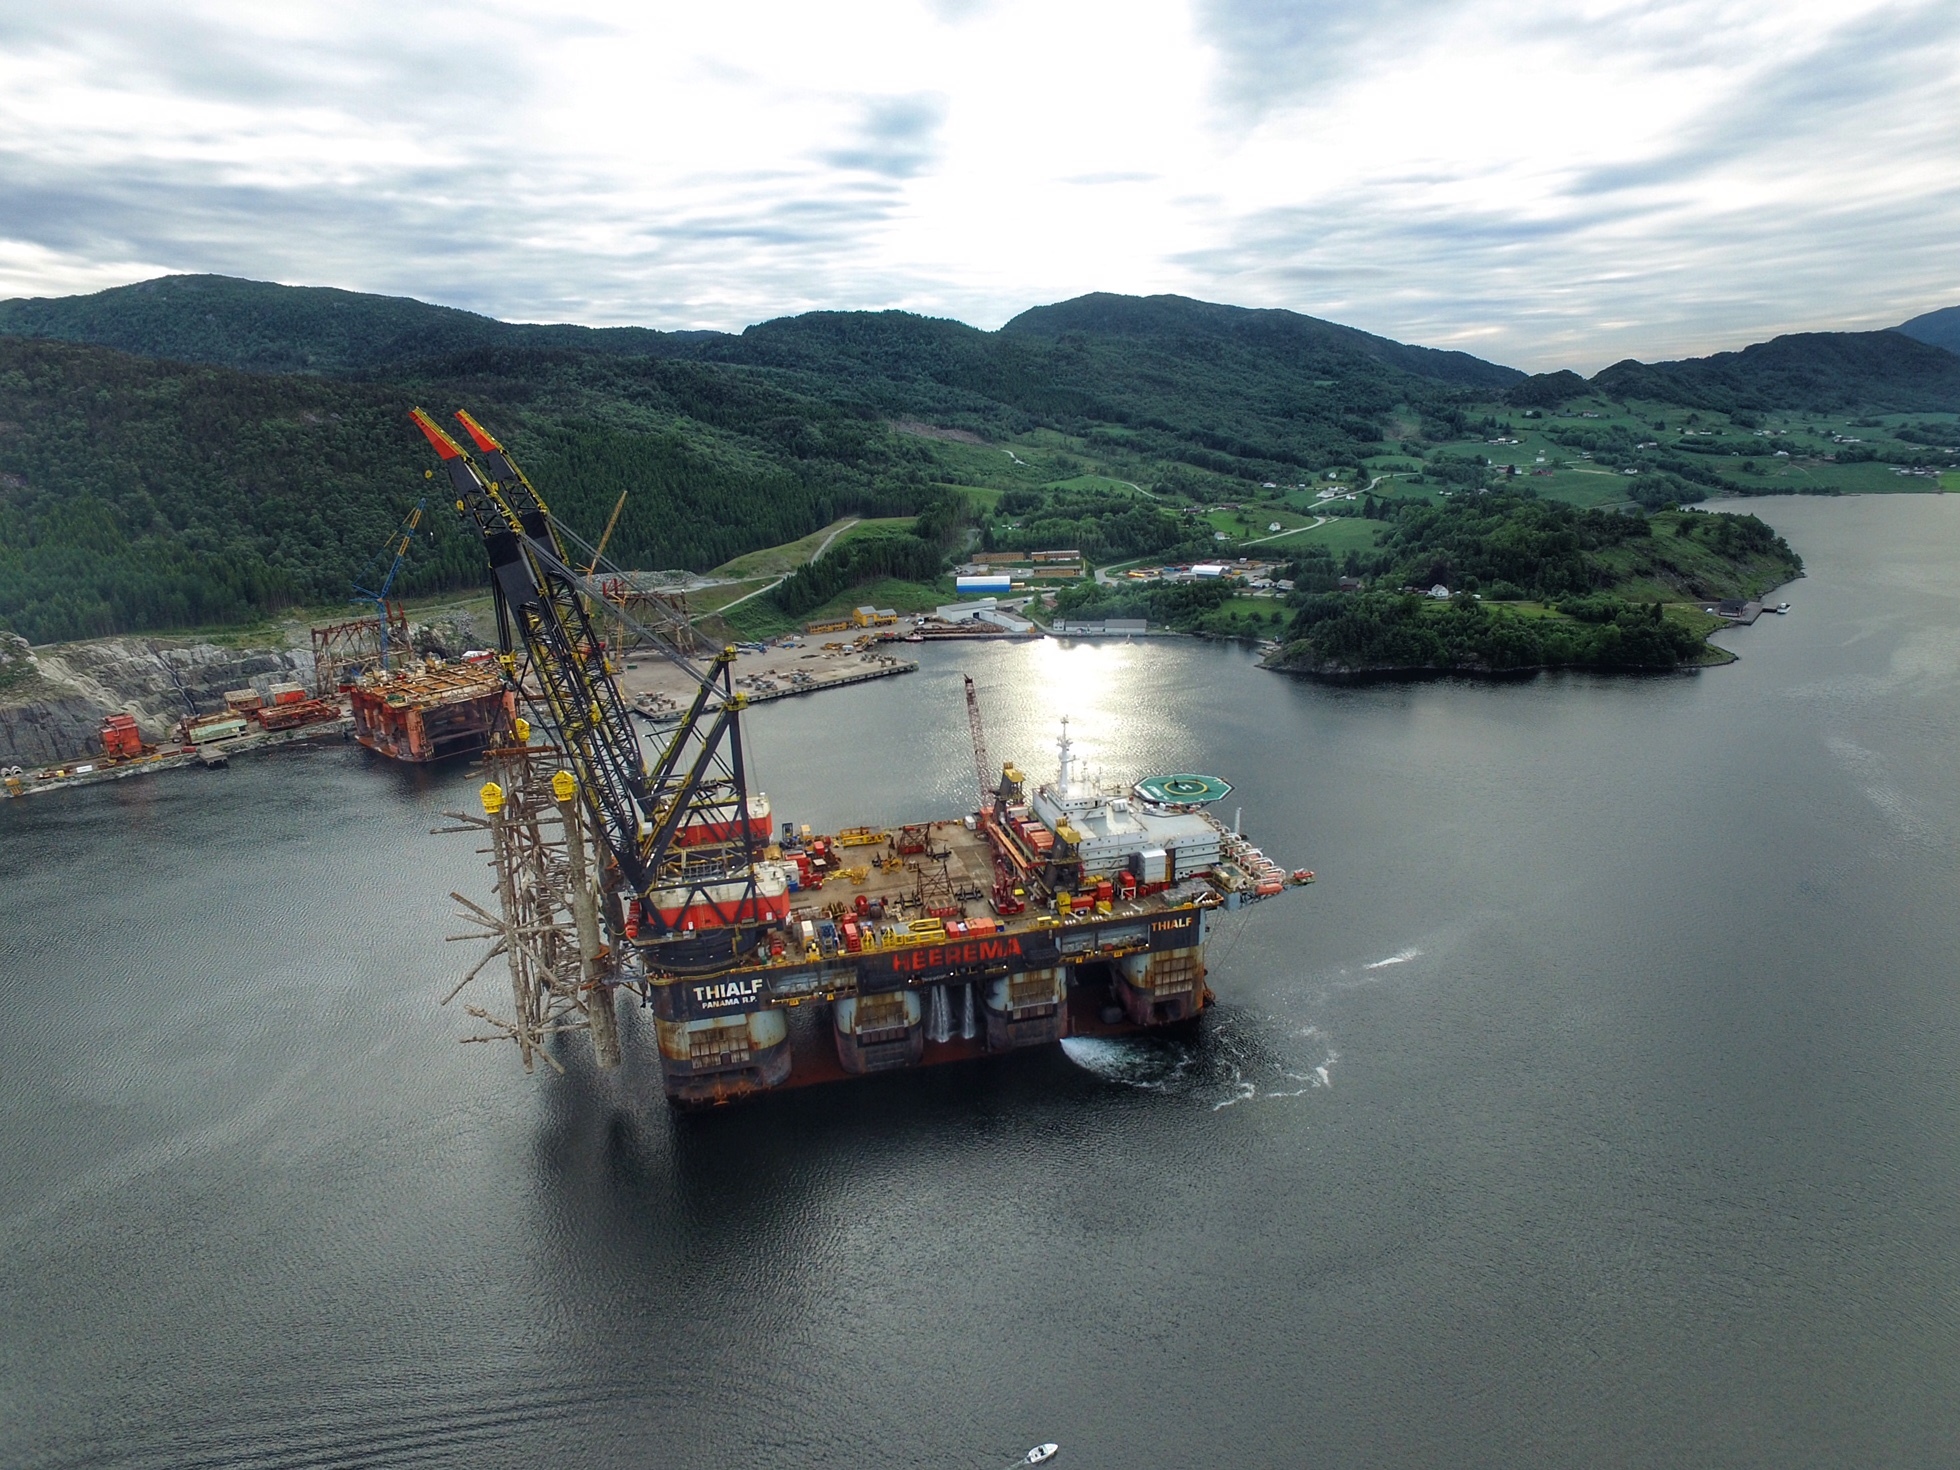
(70, 774)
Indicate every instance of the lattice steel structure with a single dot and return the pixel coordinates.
(343, 650)
(562, 975)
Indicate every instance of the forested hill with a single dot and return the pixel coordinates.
(261, 327)
(198, 449)
(1938, 328)
(137, 494)
(1818, 371)
(1285, 335)
(1253, 393)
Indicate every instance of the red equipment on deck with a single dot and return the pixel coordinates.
(121, 740)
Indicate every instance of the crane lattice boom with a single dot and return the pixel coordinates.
(982, 767)
(679, 830)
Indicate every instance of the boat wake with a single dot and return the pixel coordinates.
(1240, 1057)
(1402, 957)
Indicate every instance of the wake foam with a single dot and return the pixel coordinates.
(1237, 1057)
(1401, 957)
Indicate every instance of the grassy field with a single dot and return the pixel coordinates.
(981, 497)
(1340, 536)
(714, 599)
(1745, 455)
(779, 561)
(1094, 482)
(1253, 519)
(1023, 463)
(1261, 617)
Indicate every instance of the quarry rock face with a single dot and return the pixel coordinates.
(53, 699)
(43, 731)
(448, 638)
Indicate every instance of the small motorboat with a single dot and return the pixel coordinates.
(1041, 1452)
(1783, 607)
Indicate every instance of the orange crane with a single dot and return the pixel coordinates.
(599, 551)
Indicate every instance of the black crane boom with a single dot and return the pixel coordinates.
(676, 830)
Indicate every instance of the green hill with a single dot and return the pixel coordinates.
(1537, 585)
(1817, 371)
(1302, 342)
(198, 449)
(1221, 388)
(137, 494)
(261, 327)
(1936, 328)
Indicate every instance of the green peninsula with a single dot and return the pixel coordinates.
(1504, 582)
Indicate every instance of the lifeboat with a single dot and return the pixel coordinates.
(716, 821)
(722, 905)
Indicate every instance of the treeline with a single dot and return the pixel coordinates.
(856, 562)
(917, 554)
(1380, 631)
(1510, 545)
(1104, 525)
(1505, 539)
(1183, 606)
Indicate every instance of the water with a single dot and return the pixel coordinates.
(1597, 1106)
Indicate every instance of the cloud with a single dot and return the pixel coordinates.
(896, 137)
(1540, 182)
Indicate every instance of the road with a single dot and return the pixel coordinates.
(816, 555)
(1262, 540)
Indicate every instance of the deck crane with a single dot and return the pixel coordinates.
(1008, 897)
(681, 833)
(379, 596)
(599, 551)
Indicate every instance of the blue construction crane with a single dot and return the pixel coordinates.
(399, 539)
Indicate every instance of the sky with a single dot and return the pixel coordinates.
(1547, 183)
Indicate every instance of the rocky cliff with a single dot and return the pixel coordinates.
(53, 698)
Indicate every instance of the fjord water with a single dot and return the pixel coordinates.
(1596, 1107)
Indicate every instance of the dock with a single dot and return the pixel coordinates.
(762, 692)
(90, 772)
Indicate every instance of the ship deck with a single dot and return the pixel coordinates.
(956, 871)
(903, 949)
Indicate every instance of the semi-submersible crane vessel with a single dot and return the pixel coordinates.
(774, 956)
